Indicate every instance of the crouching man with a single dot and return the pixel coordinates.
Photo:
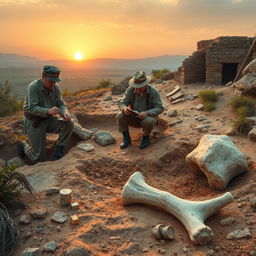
(140, 107)
(42, 107)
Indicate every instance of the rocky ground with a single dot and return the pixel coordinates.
(96, 179)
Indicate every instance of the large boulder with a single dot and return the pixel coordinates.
(121, 86)
(167, 76)
(247, 84)
(218, 158)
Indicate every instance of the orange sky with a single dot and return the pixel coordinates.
(55, 29)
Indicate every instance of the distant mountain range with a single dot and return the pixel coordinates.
(171, 62)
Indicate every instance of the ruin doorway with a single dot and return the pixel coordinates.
(229, 71)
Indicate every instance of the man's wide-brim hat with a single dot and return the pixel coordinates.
(52, 73)
(139, 79)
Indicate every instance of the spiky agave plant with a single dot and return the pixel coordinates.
(11, 184)
(8, 233)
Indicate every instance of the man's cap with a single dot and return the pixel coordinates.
(52, 73)
(139, 79)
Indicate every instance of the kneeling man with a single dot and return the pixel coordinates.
(140, 107)
(43, 103)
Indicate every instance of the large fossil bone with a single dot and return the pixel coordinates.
(192, 214)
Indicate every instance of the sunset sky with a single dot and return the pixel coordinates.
(56, 29)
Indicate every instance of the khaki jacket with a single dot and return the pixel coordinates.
(139, 102)
(38, 100)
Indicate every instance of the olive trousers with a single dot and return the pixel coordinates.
(124, 121)
(37, 136)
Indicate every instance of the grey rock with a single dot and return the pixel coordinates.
(200, 107)
(210, 252)
(59, 217)
(82, 133)
(24, 219)
(121, 86)
(227, 221)
(31, 252)
(104, 138)
(200, 118)
(167, 76)
(87, 147)
(175, 122)
(40, 180)
(190, 97)
(107, 98)
(52, 190)
(203, 128)
(158, 81)
(173, 113)
(16, 161)
(39, 213)
(252, 134)
(80, 251)
(50, 247)
(240, 233)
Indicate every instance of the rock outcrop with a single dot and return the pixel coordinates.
(247, 84)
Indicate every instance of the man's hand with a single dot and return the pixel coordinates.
(67, 117)
(143, 114)
(53, 111)
(126, 112)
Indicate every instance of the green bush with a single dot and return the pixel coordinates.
(209, 106)
(157, 73)
(104, 83)
(66, 93)
(241, 124)
(246, 102)
(243, 106)
(8, 104)
(208, 96)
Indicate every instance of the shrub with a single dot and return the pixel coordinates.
(248, 103)
(104, 83)
(244, 106)
(208, 95)
(157, 73)
(8, 104)
(209, 106)
(66, 93)
(241, 124)
(11, 184)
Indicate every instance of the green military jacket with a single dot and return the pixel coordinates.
(38, 99)
(149, 101)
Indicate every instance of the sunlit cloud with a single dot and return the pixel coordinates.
(17, 2)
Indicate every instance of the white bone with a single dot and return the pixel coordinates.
(192, 214)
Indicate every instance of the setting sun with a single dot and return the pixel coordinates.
(78, 56)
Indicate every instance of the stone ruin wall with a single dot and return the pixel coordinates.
(205, 64)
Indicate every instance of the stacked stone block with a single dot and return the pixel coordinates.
(205, 65)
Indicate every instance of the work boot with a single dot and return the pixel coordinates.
(144, 142)
(21, 149)
(58, 153)
(126, 140)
